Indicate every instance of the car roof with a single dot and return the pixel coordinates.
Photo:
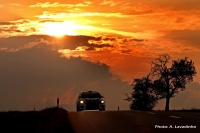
(90, 91)
(90, 94)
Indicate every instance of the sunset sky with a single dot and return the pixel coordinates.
(58, 48)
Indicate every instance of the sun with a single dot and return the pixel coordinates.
(59, 29)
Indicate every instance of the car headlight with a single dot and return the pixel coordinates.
(102, 101)
(81, 101)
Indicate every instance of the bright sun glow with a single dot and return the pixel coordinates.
(59, 29)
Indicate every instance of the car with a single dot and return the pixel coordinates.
(90, 100)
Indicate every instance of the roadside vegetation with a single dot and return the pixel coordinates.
(50, 120)
(161, 82)
(188, 110)
(197, 110)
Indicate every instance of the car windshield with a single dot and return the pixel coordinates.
(91, 95)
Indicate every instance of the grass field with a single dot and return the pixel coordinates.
(51, 120)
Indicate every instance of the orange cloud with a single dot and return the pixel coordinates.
(110, 3)
(57, 4)
(14, 4)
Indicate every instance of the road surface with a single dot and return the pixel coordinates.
(134, 122)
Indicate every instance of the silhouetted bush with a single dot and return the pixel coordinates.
(51, 120)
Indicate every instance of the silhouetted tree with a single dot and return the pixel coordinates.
(143, 96)
(171, 80)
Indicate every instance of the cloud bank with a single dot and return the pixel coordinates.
(37, 75)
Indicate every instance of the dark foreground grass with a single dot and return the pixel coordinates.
(188, 110)
(51, 120)
(184, 110)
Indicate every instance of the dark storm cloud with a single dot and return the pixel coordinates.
(67, 42)
(88, 43)
(5, 23)
(72, 42)
(134, 40)
(37, 75)
(121, 39)
(127, 51)
(20, 21)
(11, 30)
(109, 38)
(48, 20)
(10, 27)
(94, 46)
(16, 42)
(40, 64)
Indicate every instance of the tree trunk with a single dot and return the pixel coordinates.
(167, 103)
(167, 96)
